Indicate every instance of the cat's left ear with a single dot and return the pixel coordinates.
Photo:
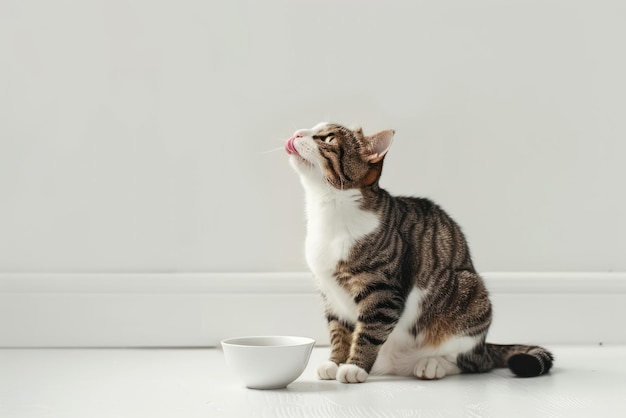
(378, 145)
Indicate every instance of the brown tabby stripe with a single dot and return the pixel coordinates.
(340, 339)
(336, 165)
(332, 175)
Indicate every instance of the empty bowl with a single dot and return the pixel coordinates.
(270, 362)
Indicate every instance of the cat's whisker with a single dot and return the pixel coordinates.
(272, 150)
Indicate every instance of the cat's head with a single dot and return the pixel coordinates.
(333, 154)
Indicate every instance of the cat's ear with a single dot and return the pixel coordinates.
(377, 145)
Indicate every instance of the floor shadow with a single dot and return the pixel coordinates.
(315, 386)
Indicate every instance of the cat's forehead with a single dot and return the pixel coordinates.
(326, 129)
(331, 128)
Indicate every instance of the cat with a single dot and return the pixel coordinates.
(400, 290)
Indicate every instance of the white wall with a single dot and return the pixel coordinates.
(133, 134)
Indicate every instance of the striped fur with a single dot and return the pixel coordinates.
(401, 293)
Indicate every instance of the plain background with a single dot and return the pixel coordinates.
(146, 136)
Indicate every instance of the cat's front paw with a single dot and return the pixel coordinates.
(350, 373)
(327, 370)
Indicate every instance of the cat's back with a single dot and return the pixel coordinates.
(410, 215)
(425, 231)
(420, 209)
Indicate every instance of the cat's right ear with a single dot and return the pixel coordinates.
(377, 145)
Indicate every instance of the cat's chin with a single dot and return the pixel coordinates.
(299, 162)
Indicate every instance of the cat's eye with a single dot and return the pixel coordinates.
(327, 139)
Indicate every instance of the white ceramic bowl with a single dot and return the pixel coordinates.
(270, 362)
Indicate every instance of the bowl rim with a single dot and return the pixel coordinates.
(295, 341)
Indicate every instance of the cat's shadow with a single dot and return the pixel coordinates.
(315, 386)
(334, 386)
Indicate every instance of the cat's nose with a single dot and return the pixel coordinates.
(289, 145)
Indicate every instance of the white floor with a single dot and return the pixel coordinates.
(586, 382)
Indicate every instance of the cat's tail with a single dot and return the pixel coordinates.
(523, 360)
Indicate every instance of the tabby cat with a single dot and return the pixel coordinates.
(401, 293)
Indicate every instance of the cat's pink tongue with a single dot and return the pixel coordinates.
(289, 147)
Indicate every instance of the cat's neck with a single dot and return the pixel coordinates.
(336, 219)
(334, 200)
(321, 193)
(327, 205)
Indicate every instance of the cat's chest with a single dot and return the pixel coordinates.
(333, 227)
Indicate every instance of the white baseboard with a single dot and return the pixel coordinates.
(198, 310)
